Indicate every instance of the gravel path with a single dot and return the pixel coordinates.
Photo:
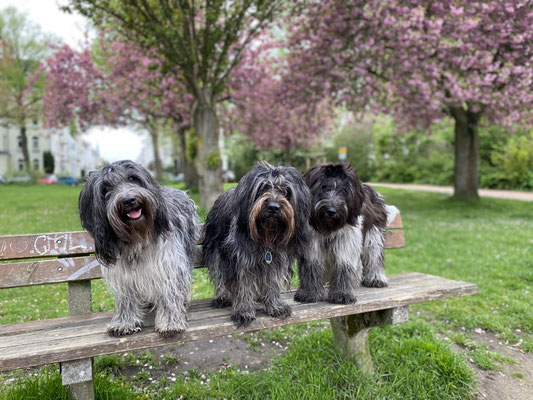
(500, 194)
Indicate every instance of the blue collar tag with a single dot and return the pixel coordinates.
(268, 257)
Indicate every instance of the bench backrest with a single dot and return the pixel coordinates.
(27, 260)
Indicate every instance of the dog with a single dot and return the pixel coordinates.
(348, 220)
(145, 237)
(253, 234)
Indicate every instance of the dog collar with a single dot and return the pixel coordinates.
(268, 257)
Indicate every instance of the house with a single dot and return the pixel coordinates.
(73, 156)
(11, 157)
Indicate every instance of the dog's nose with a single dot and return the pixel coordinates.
(129, 201)
(331, 211)
(273, 207)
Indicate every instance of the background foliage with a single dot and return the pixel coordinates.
(381, 154)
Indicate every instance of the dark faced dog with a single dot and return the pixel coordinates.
(252, 235)
(348, 220)
(145, 238)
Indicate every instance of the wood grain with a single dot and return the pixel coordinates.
(56, 244)
(59, 244)
(82, 336)
(70, 269)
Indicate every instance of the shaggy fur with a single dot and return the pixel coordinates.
(349, 219)
(264, 218)
(145, 238)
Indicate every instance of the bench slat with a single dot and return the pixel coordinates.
(29, 273)
(199, 309)
(19, 247)
(70, 338)
(396, 223)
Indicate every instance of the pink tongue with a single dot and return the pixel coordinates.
(135, 214)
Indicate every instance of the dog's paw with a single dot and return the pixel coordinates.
(221, 302)
(341, 298)
(242, 319)
(375, 283)
(169, 333)
(123, 329)
(281, 310)
(307, 297)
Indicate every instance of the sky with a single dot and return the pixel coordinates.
(113, 144)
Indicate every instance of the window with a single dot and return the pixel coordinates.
(36, 164)
(35, 144)
(21, 164)
(19, 139)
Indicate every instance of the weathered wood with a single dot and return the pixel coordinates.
(394, 240)
(72, 338)
(18, 247)
(350, 333)
(396, 223)
(29, 273)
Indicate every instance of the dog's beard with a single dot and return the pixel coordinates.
(133, 225)
(271, 230)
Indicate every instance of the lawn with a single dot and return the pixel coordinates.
(488, 242)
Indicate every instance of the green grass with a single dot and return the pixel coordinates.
(487, 242)
(412, 364)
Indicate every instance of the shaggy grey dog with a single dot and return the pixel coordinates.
(349, 219)
(145, 238)
(253, 233)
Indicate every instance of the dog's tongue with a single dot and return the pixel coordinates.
(135, 214)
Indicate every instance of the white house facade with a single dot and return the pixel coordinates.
(72, 155)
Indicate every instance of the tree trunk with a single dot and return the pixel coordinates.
(208, 161)
(24, 145)
(466, 168)
(154, 134)
(189, 169)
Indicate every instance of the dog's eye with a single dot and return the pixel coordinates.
(105, 190)
(133, 179)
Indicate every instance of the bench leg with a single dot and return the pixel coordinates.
(350, 334)
(78, 376)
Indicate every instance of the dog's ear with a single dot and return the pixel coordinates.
(356, 196)
(162, 218)
(301, 203)
(92, 211)
(313, 174)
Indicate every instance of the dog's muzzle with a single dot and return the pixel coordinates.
(132, 208)
(330, 216)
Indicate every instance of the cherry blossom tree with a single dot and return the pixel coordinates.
(421, 60)
(263, 112)
(116, 84)
(204, 40)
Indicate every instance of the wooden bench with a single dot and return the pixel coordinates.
(73, 341)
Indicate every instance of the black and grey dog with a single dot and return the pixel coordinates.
(145, 237)
(252, 235)
(349, 219)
